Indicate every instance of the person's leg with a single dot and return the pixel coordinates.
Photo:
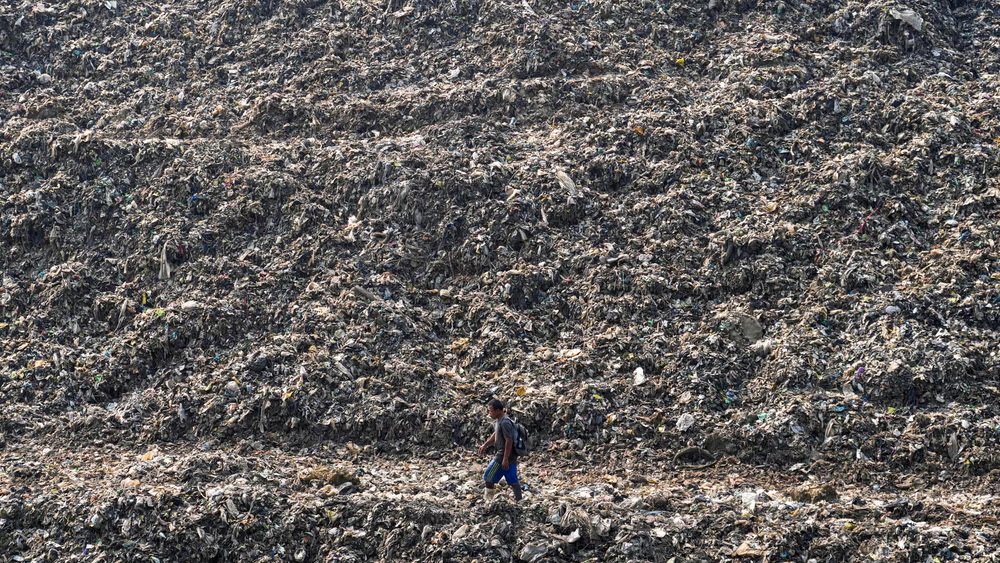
(491, 477)
(511, 477)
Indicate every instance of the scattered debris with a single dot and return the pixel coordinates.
(709, 251)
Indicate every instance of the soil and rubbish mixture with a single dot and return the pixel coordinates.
(733, 262)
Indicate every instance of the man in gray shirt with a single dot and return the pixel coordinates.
(504, 464)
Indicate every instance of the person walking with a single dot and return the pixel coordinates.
(504, 463)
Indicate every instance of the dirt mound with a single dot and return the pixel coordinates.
(694, 237)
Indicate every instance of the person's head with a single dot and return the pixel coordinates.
(495, 408)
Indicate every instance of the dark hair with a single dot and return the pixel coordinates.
(495, 404)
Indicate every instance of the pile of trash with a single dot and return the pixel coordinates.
(260, 504)
(703, 239)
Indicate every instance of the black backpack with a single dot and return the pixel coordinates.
(522, 443)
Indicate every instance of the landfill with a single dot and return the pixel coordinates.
(734, 264)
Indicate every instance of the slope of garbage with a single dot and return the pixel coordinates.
(733, 263)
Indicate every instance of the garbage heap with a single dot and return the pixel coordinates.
(750, 239)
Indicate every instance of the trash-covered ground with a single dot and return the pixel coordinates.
(251, 503)
(734, 264)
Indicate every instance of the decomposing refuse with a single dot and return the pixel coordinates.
(733, 265)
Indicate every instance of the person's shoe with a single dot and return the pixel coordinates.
(488, 494)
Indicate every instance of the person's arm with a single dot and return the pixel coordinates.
(507, 448)
(508, 444)
(489, 442)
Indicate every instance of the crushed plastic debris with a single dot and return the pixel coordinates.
(262, 262)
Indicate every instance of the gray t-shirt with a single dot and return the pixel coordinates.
(504, 430)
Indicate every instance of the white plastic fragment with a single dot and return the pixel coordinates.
(638, 376)
(685, 422)
(907, 16)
